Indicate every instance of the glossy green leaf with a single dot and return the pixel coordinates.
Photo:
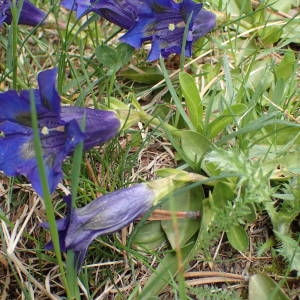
(262, 287)
(238, 238)
(192, 99)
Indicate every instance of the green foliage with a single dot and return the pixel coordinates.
(231, 113)
(238, 238)
(290, 250)
(213, 293)
(264, 288)
(192, 99)
(114, 59)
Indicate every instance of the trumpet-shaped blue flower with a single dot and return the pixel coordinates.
(59, 128)
(29, 15)
(113, 211)
(161, 22)
(165, 26)
(104, 215)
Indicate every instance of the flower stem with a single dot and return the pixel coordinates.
(46, 194)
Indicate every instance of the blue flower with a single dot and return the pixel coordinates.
(165, 26)
(29, 15)
(59, 129)
(104, 215)
(161, 22)
(82, 7)
(123, 13)
(113, 211)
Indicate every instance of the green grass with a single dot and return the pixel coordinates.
(231, 112)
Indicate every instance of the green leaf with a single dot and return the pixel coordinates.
(147, 75)
(222, 193)
(283, 6)
(291, 30)
(290, 250)
(262, 287)
(238, 238)
(185, 201)
(149, 236)
(106, 55)
(112, 58)
(270, 35)
(194, 145)
(163, 274)
(124, 52)
(286, 67)
(192, 99)
(226, 118)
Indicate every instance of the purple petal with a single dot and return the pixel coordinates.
(82, 7)
(4, 11)
(107, 214)
(122, 13)
(164, 23)
(30, 14)
(13, 106)
(204, 22)
(104, 215)
(99, 125)
(49, 96)
(16, 136)
(136, 35)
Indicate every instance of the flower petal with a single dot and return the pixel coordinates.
(204, 22)
(30, 14)
(13, 106)
(14, 137)
(107, 214)
(49, 96)
(4, 11)
(122, 12)
(99, 125)
(82, 7)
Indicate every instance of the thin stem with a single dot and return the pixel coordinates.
(46, 193)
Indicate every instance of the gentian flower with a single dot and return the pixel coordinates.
(29, 15)
(165, 26)
(104, 215)
(161, 22)
(82, 7)
(123, 13)
(112, 212)
(59, 128)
